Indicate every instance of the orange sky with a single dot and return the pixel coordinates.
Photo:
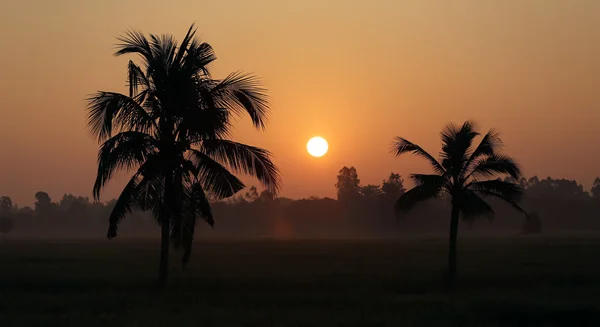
(355, 73)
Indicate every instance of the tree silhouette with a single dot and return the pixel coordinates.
(7, 222)
(252, 194)
(44, 205)
(556, 188)
(370, 191)
(266, 196)
(464, 174)
(74, 206)
(25, 212)
(172, 130)
(596, 189)
(393, 187)
(6, 205)
(348, 184)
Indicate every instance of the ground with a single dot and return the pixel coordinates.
(517, 281)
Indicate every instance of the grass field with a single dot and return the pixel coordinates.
(503, 282)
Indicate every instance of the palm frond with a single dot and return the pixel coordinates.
(243, 93)
(151, 103)
(134, 42)
(456, 144)
(490, 144)
(496, 164)
(509, 192)
(214, 177)
(125, 203)
(246, 159)
(135, 77)
(183, 47)
(201, 204)
(124, 150)
(151, 191)
(402, 146)
(418, 194)
(163, 48)
(198, 57)
(425, 179)
(473, 206)
(198, 207)
(108, 111)
(198, 125)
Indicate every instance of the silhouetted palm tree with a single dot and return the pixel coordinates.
(465, 175)
(171, 130)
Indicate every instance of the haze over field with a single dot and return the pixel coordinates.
(357, 74)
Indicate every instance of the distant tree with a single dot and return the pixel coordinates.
(25, 212)
(569, 189)
(523, 183)
(74, 206)
(6, 206)
(370, 191)
(393, 187)
(70, 200)
(462, 174)
(238, 199)
(266, 196)
(284, 201)
(348, 184)
(533, 181)
(556, 189)
(172, 130)
(252, 194)
(7, 224)
(108, 207)
(43, 203)
(42, 198)
(596, 189)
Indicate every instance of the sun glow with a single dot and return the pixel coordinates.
(317, 146)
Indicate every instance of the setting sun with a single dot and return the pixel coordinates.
(317, 146)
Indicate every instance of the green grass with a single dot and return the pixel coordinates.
(503, 282)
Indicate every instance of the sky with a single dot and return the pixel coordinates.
(357, 73)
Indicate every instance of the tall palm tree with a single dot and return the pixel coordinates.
(171, 130)
(465, 174)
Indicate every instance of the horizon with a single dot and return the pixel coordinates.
(242, 194)
(528, 69)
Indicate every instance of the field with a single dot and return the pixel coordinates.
(518, 281)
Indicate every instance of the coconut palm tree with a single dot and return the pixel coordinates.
(466, 174)
(172, 132)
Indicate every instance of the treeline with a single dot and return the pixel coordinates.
(554, 205)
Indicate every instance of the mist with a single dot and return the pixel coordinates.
(555, 207)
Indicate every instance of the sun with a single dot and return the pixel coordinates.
(317, 146)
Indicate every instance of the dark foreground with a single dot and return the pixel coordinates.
(504, 282)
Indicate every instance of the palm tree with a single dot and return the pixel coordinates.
(465, 174)
(171, 131)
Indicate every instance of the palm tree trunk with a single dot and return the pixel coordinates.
(163, 269)
(452, 255)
